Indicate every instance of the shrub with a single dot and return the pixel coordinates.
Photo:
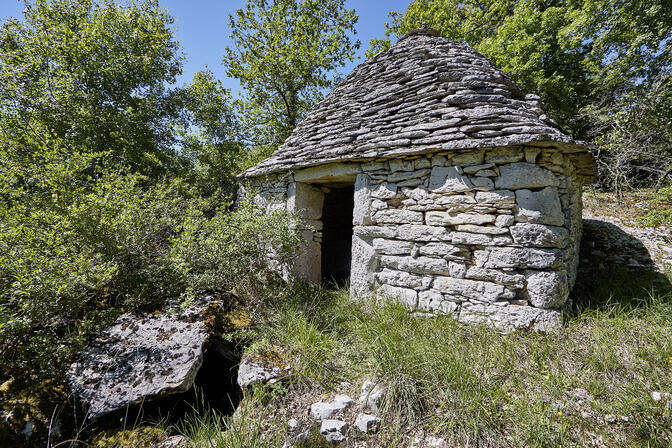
(68, 270)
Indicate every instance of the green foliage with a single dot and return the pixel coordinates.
(284, 54)
(88, 77)
(233, 249)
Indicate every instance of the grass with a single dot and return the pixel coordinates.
(584, 384)
(643, 207)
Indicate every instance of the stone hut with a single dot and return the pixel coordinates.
(427, 176)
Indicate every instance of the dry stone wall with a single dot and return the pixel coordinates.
(491, 235)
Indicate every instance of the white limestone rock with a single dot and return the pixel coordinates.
(371, 397)
(419, 265)
(539, 235)
(415, 232)
(374, 231)
(324, 409)
(364, 264)
(515, 281)
(397, 216)
(392, 247)
(547, 289)
(367, 424)
(500, 198)
(457, 269)
(361, 213)
(334, 431)
(514, 176)
(486, 230)
(512, 257)
(540, 207)
(472, 289)
(406, 296)
(504, 220)
(400, 165)
(436, 218)
(403, 279)
(447, 179)
(510, 318)
(473, 239)
(476, 168)
(443, 250)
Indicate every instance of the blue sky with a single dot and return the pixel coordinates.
(202, 29)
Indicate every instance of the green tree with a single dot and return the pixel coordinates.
(89, 77)
(284, 57)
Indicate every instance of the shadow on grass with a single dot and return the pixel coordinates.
(615, 269)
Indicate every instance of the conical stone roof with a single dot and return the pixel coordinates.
(424, 94)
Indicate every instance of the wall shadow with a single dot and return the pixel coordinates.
(615, 268)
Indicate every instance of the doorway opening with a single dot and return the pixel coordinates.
(337, 234)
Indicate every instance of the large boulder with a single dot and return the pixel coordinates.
(142, 357)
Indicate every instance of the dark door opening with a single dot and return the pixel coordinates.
(337, 234)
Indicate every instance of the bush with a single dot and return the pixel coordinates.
(68, 270)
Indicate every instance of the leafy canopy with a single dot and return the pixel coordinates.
(284, 56)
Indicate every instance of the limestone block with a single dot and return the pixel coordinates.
(469, 158)
(476, 168)
(472, 289)
(371, 397)
(474, 239)
(504, 221)
(541, 207)
(447, 179)
(434, 301)
(412, 182)
(457, 269)
(403, 279)
(500, 198)
(482, 183)
(324, 409)
(439, 161)
(512, 257)
(444, 250)
(504, 155)
(397, 216)
(334, 431)
(531, 154)
(510, 318)
(487, 230)
(524, 175)
(422, 163)
(374, 231)
(401, 165)
(333, 172)
(538, 235)
(486, 173)
(373, 166)
(402, 176)
(419, 265)
(305, 199)
(361, 213)
(392, 247)
(516, 281)
(547, 289)
(414, 232)
(417, 194)
(367, 424)
(437, 218)
(364, 264)
(407, 297)
(377, 204)
(385, 190)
